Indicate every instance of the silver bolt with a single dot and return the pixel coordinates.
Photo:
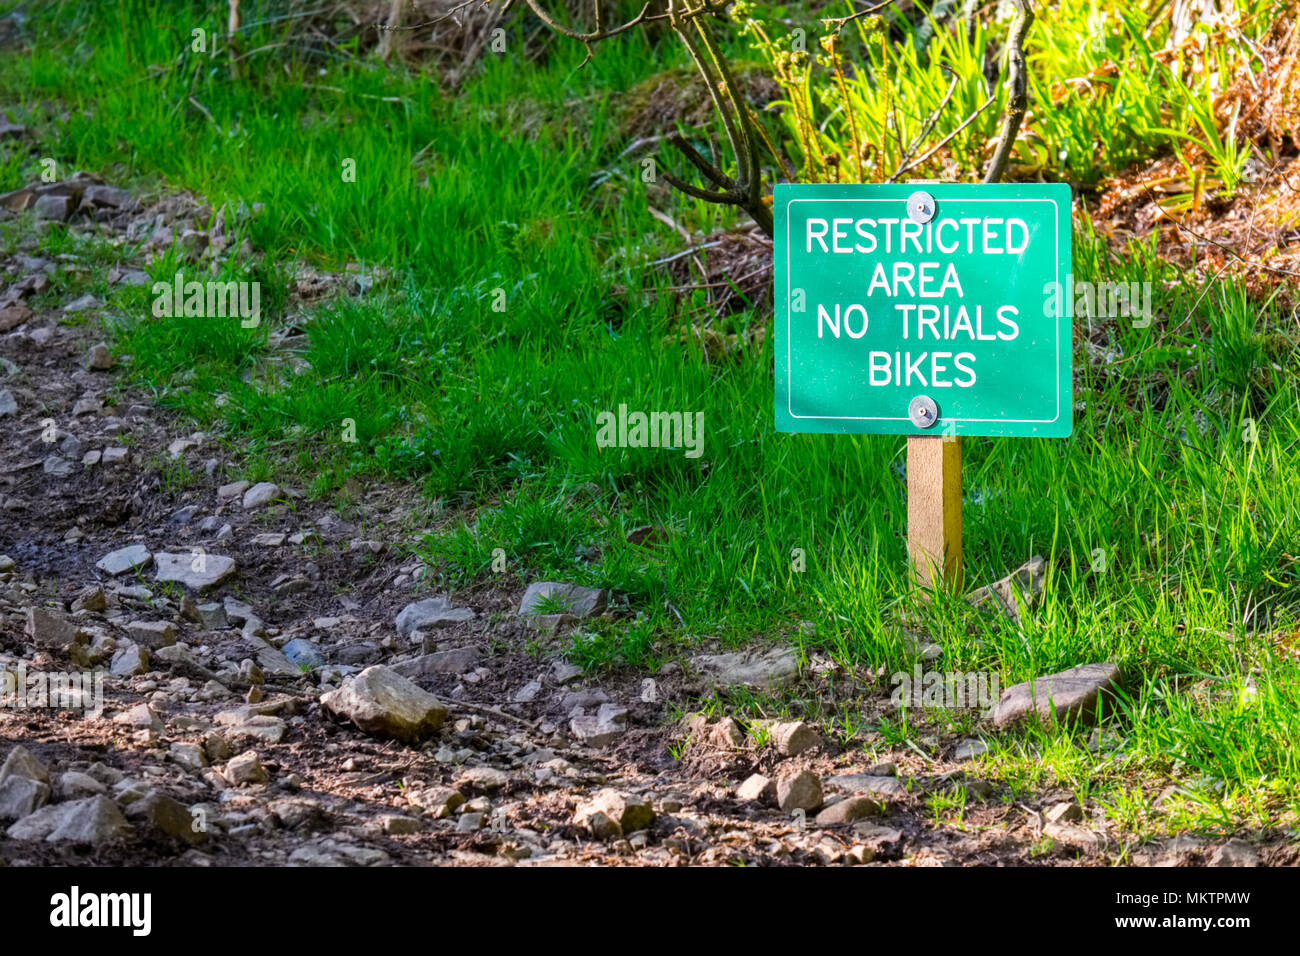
(923, 411)
(920, 206)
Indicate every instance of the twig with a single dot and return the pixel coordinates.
(674, 257)
(495, 711)
(1214, 242)
(364, 96)
(841, 21)
(1019, 99)
(203, 109)
(926, 127)
(943, 142)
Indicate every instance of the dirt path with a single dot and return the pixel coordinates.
(213, 745)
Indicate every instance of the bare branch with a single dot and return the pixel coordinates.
(1019, 97)
(943, 142)
(711, 172)
(598, 34)
(726, 198)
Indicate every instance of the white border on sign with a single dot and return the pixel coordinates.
(789, 368)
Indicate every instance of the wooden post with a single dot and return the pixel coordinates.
(934, 510)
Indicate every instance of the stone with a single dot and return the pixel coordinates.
(602, 729)
(1235, 852)
(1064, 812)
(237, 611)
(130, 659)
(528, 693)
(152, 634)
(611, 814)
(756, 788)
(456, 660)
(93, 820)
(12, 316)
(216, 747)
(469, 822)
(1069, 695)
(246, 769)
(179, 660)
(50, 631)
(8, 406)
(362, 653)
(141, 717)
(212, 616)
(262, 493)
(198, 573)
(801, 790)
(20, 797)
(438, 802)
(271, 539)
(115, 455)
(487, 779)
(188, 755)
(99, 359)
(562, 672)
(430, 613)
(383, 703)
(970, 749)
(57, 208)
(134, 557)
(91, 599)
(728, 733)
(163, 815)
(269, 658)
(1081, 838)
(303, 653)
(793, 738)
(883, 841)
(573, 599)
(109, 196)
(57, 466)
(848, 810)
(20, 763)
(396, 824)
(880, 787)
(768, 670)
(1022, 587)
(175, 451)
(74, 785)
(232, 490)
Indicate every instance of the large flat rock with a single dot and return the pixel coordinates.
(198, 573)
(429, 613)
(1072, 694)
(131, 558)
(572, 599)
(766, 670)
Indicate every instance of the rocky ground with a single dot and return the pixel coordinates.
(280, 687)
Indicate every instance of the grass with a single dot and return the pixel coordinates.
(517, 307)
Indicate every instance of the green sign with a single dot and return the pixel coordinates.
(922, 309)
